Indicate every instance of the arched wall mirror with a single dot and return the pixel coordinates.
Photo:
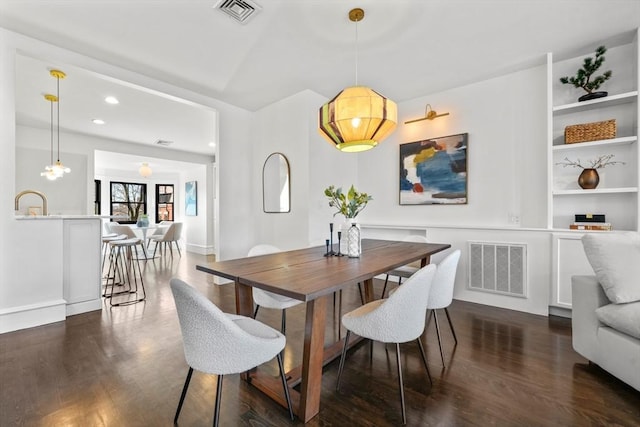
(276, 190)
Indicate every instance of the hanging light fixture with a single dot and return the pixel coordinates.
(48, 170)
(58, 168)
(145, 171)
(358, 118)
(429, 114)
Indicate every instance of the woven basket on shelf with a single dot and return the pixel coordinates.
(590, 131)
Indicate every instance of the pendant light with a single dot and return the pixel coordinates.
(145, 171)
(58, 168)
(358, 118)
(48, 170)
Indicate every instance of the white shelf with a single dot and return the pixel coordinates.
(614, 141)
(595, 191)
(621, 98)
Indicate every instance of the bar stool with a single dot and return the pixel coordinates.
(121, 265)
(106, 239)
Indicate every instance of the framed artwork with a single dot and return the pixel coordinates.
(434, 171)
(191, 198)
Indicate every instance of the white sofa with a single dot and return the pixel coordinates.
(606, 307)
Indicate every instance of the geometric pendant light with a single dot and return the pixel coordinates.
(357, 118)
(58, 168)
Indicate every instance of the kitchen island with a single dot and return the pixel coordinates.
(58, 272)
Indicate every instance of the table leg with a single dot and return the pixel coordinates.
(313, 355)
(368, 290)
(244, 307)
(424, 261)
(244, 299)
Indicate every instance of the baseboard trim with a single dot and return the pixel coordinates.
(29, 316)
(84, 306)
(200, 249)
(560, 312)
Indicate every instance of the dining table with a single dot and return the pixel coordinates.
(311, 276)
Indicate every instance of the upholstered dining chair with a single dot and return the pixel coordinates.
(269, 299)
(162, 228)
(404, 271)
(441, 294)
(222, 344)
(397, 319)
(172, 235)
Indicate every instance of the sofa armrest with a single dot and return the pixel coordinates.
(586, 296)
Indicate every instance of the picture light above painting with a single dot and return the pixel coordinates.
(434, 171)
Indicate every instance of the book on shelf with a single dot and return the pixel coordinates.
(589, 218)
(594, 226)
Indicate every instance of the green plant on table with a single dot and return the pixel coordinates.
(349, 204)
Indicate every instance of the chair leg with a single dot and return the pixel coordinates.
(435, 318)
(401, 385)
(178, 248)
(342, 357)
(255, 313)
(216, 409)
(283, 323)
(424, 359)
(155, 248)
(361, 295)
(384, 288)
(453, 331)
(339, 314)
(183, 395)
(284, 385)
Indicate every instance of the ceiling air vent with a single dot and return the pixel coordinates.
(164, 143)
(240, 10)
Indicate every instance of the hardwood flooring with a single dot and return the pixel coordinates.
(124, 366)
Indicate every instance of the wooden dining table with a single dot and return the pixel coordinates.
(310, 276)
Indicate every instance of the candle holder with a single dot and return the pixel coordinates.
(327, 243)
(331, 252)
(339, 239)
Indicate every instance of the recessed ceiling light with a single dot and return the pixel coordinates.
(98, 121)
(212, 144)
(111, 100)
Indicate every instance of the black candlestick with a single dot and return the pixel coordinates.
(327, 254)
(339, 245)
(331, 252)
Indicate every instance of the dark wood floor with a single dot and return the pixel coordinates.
(124, 366)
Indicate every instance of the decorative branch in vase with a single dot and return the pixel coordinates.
(589, 178)
(349, 204)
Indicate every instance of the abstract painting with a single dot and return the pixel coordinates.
(434, 171)
(191, 198)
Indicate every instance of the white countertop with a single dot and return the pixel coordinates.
(58, 217)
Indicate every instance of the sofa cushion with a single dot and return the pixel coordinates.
(615, 258)
(624, 318)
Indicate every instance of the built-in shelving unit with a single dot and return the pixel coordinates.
(617, 193)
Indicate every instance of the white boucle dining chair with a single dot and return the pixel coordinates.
(441, 294)
(218, 343)
(171, 235)
(269, 299)
(397, 319)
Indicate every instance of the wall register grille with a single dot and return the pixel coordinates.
(498, 268)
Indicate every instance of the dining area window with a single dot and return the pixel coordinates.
(128, 200)
(164, 202)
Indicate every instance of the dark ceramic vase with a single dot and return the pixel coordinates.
(593, 95)
(589, 179)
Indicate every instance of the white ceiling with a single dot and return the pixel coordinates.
(406, 48)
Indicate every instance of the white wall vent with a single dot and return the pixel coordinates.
(498, 268)
(240, 10)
